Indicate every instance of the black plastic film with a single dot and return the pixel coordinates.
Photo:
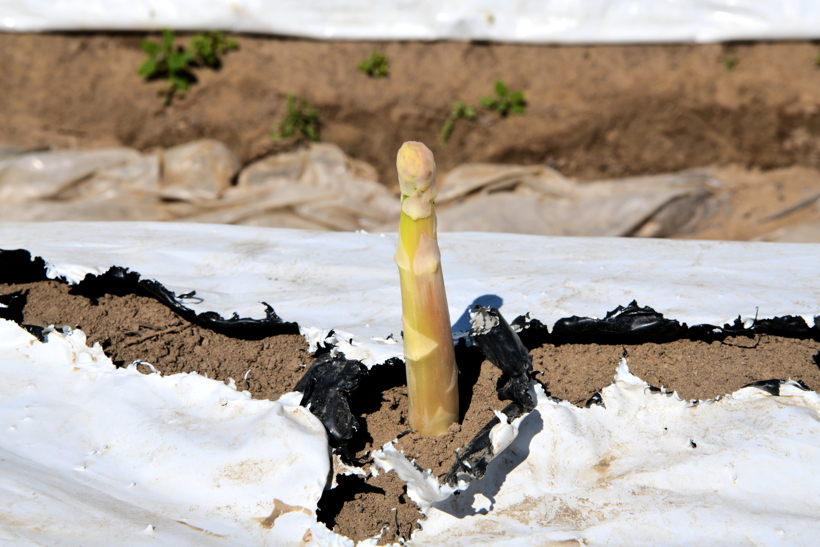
(473, 459)
(503, 348)
(325, 387)
(209, 318)
(631, 319)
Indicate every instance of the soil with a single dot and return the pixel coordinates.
(593, 111)
(133, 326)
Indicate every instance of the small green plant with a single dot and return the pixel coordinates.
(209, 46)
(375, 66)
(460, 110)
(300, 117)
(505, 101)
(730, 62)
(167, 60)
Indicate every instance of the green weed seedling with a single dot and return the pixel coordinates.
(300, 117)
(166, 60)
(505, 101)
(375, 66)
(209, 46)
(730, 62)
(460, 110)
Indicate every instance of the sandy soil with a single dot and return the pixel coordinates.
(603, 111)
(134, 326)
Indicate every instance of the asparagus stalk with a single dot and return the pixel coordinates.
(432, 376)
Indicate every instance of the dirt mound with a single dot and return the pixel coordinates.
(593, 112)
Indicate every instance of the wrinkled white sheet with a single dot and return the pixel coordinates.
(317, 187)
(544, 21)
(647, 469)
(348, 282)
(320, 188)
(98, 456)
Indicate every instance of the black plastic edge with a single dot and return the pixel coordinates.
(326, 387)
(621, 323)
(501, 346)
(331, 380)
(18, 266)
(634, 321)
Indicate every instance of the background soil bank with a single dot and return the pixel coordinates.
(593, 111)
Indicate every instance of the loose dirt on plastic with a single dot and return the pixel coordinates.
(137, 327)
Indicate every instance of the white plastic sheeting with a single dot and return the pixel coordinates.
(538, 200)
(348, 282)
(318, 187)
(544, 21)
(94, 455)
(647, 469)
(113, 456)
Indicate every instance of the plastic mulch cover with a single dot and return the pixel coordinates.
(95, 455)
(550, 21)
(188, 457)
(346, 282)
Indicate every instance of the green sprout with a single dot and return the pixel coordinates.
(460, 110)
(208, 46)
(300, 117)
(505, 101)
(730, 62)
(166, 60)
(375, 66)
(430, 361)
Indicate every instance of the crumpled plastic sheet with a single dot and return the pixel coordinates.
(639, 466)
(547, 21)
(644, 467)
(320, 188)
(95, 455)
(347, 282)
(311, 188)
(539, 200)
(806, 232)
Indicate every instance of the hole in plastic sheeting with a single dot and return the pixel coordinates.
(381, 389)
(332, 501)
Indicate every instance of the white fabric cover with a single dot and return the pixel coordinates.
(544, 21)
